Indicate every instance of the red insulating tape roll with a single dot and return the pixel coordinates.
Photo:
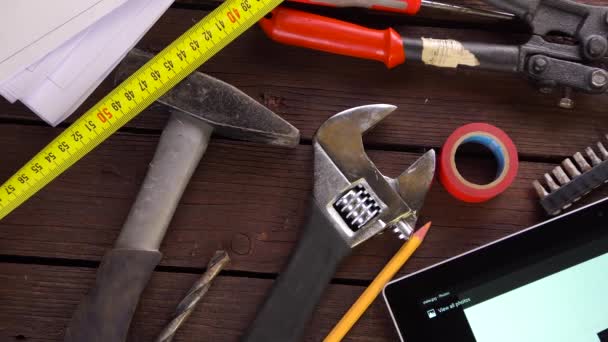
(496, 141)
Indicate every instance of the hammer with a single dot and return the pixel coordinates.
(201, 105)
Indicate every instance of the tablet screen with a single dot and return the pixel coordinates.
(549, 283)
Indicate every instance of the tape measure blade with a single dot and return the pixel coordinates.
(170, 66)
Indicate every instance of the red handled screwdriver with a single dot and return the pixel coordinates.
(408, 7)
(312, 31)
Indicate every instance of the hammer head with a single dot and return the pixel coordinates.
(228, 110)
(357, 198)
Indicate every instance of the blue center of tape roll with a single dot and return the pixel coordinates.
(493, 145)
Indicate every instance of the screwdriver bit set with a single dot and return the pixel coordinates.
(568, 183)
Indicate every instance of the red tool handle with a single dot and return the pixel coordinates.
(398, 6)
(316, 32)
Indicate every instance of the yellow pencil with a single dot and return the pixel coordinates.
(373, 290)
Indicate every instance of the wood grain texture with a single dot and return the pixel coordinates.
(249, 199)
(37, 302)
(306, 87)
(252, 199)
(469, 3)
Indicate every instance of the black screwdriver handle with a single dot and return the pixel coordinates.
(298, 289)
(105, 313)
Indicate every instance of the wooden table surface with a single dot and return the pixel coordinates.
(252, 199)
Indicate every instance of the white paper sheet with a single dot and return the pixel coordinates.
(111, 37)
(32, 77)
(30, 29)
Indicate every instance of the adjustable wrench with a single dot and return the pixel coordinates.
(352, 202)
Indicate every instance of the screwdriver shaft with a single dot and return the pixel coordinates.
(467, 10)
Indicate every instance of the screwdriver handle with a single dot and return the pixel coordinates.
(298, 28)
(398, 6)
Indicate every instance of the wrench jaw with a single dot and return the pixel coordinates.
(413, 185)
(330, 186)
(353, 194)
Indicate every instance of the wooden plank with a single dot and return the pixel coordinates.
(37, 302)
(466, 3)
(297, 84)
(248, 199)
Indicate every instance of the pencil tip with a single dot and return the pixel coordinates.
(421, 233)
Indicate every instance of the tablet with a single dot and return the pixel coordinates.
(546, 283)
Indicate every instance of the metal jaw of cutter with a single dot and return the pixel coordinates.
(353, 194)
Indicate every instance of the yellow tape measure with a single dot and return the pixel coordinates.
(132, 96)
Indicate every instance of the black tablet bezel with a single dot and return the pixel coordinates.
(569, 232)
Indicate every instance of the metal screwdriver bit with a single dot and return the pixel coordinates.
(582, 163)
(595, 160)
(550, 182)
(568, 165)
(491, 14)
(540, 190)
(578, 179)
(198, 290)
(603, 150)
(560, 175)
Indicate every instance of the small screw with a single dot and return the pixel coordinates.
(566, 103)
(540, 64)
(599, 79)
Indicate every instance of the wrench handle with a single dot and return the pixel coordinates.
(298, 289)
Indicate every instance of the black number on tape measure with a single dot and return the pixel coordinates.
(155, 74)
(220, 25)
(50, 157)
(129, 95)
(143, 85)
(63, 146)
(23, 178)
(207, 35)
(76, 136)
(116, 105)
(9, 189)
(90, 125)
(245, 5)
(194, 45)
(181, 54)
(36, 168)
(168, 65)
